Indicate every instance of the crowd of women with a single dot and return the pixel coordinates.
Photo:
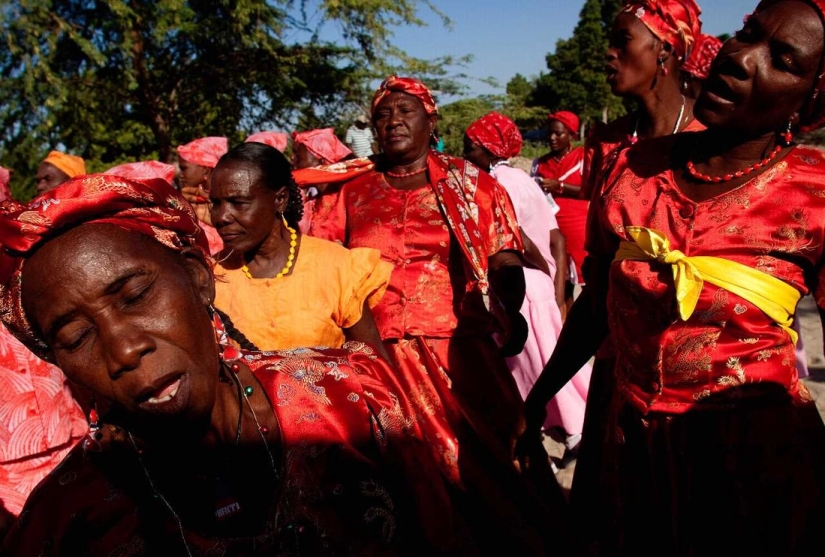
(360, 356)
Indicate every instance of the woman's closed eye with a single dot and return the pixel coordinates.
(71, 336)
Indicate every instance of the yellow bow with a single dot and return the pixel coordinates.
(773, 296)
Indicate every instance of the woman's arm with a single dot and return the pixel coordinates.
(532, 254)
(558, 247)
(366, 331)
(506, 274)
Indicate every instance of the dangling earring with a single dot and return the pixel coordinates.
(92, 440)
(228, 352)
(283, 220)
(787, 135)
(662, 65)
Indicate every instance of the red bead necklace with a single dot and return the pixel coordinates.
(732, 175)
(406, 174)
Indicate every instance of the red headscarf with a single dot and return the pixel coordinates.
(322, 143)
(496, 133)
(704, 51)
(568, 120)
(812, 115)
(674, 21)
(145, 170)
(205, 151)
(273, 139)
(408, 85)
(5, 176)
(149, 207)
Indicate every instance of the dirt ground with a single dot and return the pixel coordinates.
(811, 330)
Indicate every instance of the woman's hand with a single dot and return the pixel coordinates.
(198, 198)
(529, 445)
(515, 334)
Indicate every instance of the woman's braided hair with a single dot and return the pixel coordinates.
(275, 172)
(234, 333)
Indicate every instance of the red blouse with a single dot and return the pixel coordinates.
(428, 294)
(774, 223)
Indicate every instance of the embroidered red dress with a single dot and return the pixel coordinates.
(348, 446)
(715, 426)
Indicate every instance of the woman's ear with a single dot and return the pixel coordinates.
(282, 199)
(200, 275)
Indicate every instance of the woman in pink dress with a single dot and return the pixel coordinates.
(490, 142)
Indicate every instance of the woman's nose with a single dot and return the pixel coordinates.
(125, 344)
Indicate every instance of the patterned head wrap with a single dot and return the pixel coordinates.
(704, 51)
(498, 134)
(149, 207)
(568, 120)
(71, 165)
(205, 151)
(5, 176)
(812, 115)
(144, 170)
(408, 85)
(675, 22)
(277, 140)
(322, 143)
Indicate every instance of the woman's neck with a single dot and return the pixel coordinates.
(272, 254)
(663, 111)
(722, 151)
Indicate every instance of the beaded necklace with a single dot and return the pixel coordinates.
(691, 169)
(406, 174)
(293, 242)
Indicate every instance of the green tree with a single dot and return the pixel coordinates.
(575, 80)
(120, 80)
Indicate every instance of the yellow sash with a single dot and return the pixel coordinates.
(775, 297)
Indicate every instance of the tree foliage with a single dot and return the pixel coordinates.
(575, 80)
(120, 80)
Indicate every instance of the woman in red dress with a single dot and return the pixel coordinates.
(702, 245)
(451, 232)
(559, 173)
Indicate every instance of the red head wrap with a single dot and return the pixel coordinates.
(5, 176)
(322, 143)
(408, 85)
(496, 133)
(568, 119)
(145, 170)
(149, 207)
(205, 151)
(812, 115)
(704, 51)
(674, 21)
(273, 139)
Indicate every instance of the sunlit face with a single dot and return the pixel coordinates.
(49, 177)
(403, 127)
(243, 207)
(476, 154)
(632, 56)
(303, 157)
(126, 318)
(558, 136)
(193, 175)
(766, 72)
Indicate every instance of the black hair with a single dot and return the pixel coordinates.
(276, 173)
(234, 333)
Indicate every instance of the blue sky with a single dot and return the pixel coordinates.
(506, 38)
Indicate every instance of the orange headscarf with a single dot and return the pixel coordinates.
(496, 133)
(277, 140)
(408, 85)
(674, 21)
(71, 165)
(704, 51)
(322, 143)
(205, 151)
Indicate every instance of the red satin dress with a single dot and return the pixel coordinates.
(710, 428)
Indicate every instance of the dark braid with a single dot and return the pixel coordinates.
(275, 172)
(234, 333)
